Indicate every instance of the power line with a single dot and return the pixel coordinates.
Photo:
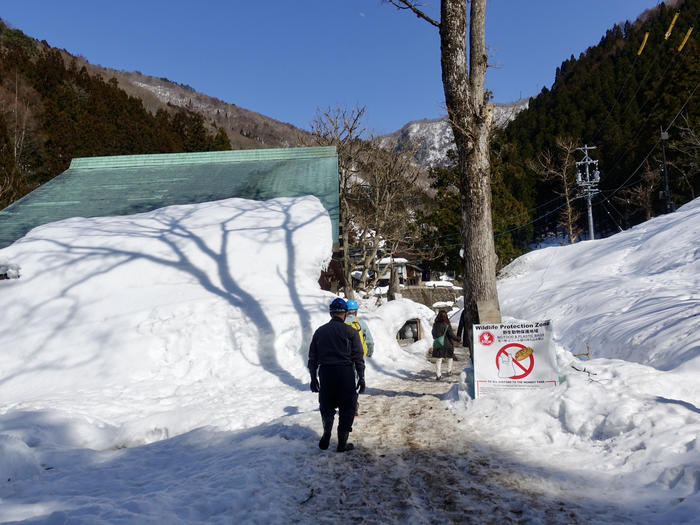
(608, 197)
(605, 199)
(614, 209)
(657, 142)
(531, 222)
(684, 105)
(458, 234)
(611, 217)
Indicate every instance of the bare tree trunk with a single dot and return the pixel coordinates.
(381, 199)
(345, 226)
(20, 125)
(347, 265)
(470, 117)
(570, 217)
(688, 144)
(393, 290)
(641, 196)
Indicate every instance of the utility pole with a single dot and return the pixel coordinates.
(667, 192)
(588, 183)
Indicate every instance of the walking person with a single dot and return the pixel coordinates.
(361, 326)
(463, 334)
(443, 329)
(462, 330)
(365, 335)
(335, 354)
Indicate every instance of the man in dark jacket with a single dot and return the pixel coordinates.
(462, 331)
(336, 353)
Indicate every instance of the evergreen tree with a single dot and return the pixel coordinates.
(220, 142)
(617, 100)
(196, 134)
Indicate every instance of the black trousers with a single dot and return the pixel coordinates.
(338, 391)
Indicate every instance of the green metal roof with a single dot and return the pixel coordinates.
(123, 185)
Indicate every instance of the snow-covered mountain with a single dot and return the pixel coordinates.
(433, 137)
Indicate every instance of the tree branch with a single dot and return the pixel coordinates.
(406, 4)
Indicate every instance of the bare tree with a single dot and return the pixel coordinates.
(18, 107)
(381, 199)
(21, 115)
(688, 145)
(470, 117)
(11, 184)
(343, 128)
(375, 187)
(641, 196)
(560, 167)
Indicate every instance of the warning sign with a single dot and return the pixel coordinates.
(514, 356)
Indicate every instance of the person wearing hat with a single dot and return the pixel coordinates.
(335, 354)
(361, 326)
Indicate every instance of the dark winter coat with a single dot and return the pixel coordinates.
(462, 330)
(336, 354)
(336, 344)
(447, 350)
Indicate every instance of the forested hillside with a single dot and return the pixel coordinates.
(616, 96)
(53, 110)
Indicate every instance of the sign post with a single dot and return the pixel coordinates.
(513, 357)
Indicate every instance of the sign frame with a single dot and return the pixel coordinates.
(511, 357)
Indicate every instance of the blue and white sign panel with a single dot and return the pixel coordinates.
(513, 356)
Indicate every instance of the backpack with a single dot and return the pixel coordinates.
(355, 323)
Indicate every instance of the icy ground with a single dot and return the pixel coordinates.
(152, 370)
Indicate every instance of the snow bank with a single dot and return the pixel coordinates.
(390, 318)
(148, 322)
(632, 296)
(627, 421)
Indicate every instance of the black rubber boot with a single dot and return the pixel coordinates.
(326, 437)
(343, 445)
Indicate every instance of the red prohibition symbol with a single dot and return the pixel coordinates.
(530, 363)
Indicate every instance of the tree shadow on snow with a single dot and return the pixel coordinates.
(678, 402)
(174, 239)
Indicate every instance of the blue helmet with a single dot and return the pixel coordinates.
(338, 305)
(352, 305)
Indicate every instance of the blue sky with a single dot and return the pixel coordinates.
(286, 58)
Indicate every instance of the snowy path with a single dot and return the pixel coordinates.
(413, 463)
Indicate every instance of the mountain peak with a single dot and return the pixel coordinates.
(433, 138)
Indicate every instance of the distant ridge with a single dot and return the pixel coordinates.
(245, 128)
(433, 138)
